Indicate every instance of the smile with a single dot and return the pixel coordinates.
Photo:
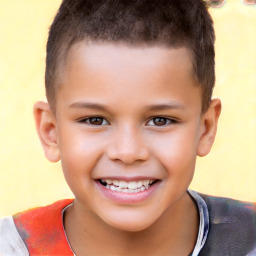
(128, 191)
(127, 186)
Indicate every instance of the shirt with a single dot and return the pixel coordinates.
(40, 231)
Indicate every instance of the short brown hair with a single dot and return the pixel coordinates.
(173, 23)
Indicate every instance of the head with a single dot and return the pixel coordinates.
(129, 88)
(173, 24)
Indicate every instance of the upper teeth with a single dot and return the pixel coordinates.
(128, 184)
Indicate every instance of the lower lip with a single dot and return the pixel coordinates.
(128, 198)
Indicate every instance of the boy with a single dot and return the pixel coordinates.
(129, 87)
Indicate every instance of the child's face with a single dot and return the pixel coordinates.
(129, 114)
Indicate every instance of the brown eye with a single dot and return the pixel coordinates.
(95, 120)
(159, 121)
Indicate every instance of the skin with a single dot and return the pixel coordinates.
(128, 87)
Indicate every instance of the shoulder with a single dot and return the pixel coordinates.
(42, 229)
(232, 227)
(10, 240)
(36, 231)
(44, 216)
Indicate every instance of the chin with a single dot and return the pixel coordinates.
(130, 226)
(130, 222)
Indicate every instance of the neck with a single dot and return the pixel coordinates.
(174, 233)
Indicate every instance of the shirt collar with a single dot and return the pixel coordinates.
(203, 224)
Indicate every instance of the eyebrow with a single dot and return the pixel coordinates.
(165, 106)
(153, 107)
(89, 105)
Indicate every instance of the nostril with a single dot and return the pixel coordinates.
(127, 155)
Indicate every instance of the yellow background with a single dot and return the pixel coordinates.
(27, 179)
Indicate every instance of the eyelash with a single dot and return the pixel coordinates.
(89, 120)
(102, 121)
(167, 121)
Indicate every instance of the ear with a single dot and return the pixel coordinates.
(209, 123)
(46, 130)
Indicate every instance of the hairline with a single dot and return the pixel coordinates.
(63, 52)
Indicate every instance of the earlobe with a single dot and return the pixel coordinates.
(209, 123)
(46, 130)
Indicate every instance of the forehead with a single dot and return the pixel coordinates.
(108, 56)
(99, 68)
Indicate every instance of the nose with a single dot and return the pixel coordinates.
(127, 146)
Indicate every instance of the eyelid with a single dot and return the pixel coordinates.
(85, 119)
(170, 120)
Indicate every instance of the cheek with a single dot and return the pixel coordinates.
(177, 151)
(79, 152)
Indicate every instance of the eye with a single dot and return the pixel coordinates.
(161, 121)
(95, 120)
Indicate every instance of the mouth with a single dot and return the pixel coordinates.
(128, 186)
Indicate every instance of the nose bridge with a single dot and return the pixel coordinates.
(128, 145)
